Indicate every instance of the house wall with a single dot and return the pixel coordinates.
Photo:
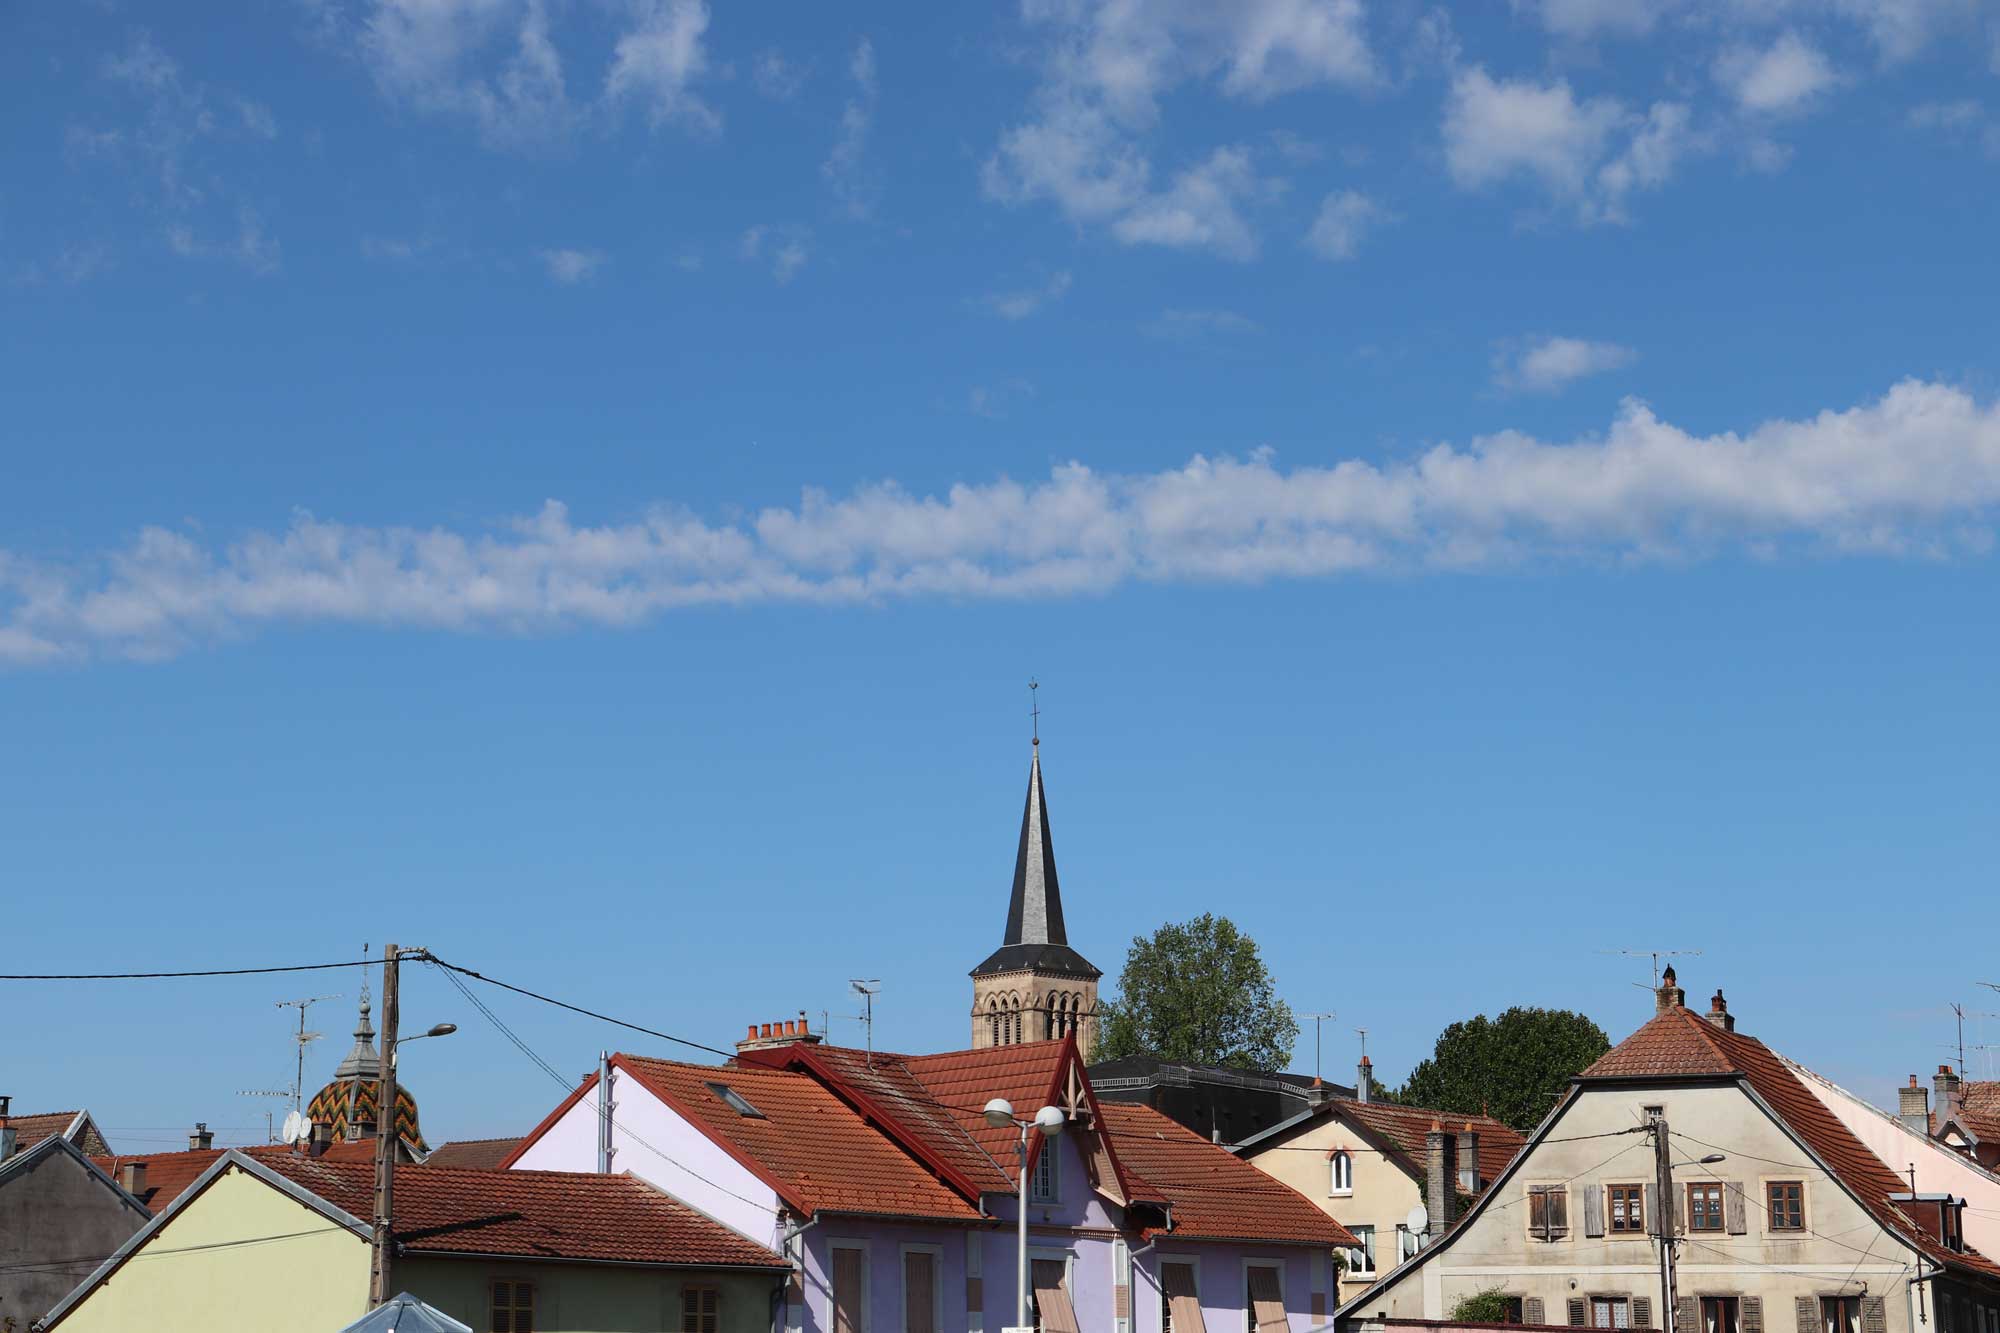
(1382, 1196)
(240, 1255)
(656, 1143)
(1844, 1248)
(1222, 1280)
(60, 1216)
(588, 1298)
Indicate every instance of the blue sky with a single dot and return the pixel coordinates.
(583, 486)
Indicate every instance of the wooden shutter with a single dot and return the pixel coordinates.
(1734, 1210)
(920, 1292)
(1267, 1301)
(1538, 1213)
(1750, 1314)
(1558, 1212)
(849, 1271)
(1806, 1309)
(1579, 1312)
(1532, 1311)
(1593, 1210)
(1177, 1284)
(1642, 1312)
(1686, 1316)
(1874, 1315)
(1058, 1316)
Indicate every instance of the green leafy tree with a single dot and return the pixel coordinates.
(1198, 993)
(1512, 1067)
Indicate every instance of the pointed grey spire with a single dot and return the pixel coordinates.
(362, 1061)
(1036, 938)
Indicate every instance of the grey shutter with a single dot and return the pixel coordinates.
(1593, 1210)
(1579, 1312)
(1734, 1210)
(1808, 1313)
(1874, 1315)
(1653, 1213)
(1531, 1310)
(1642, 1312)
(1685, 1316)
(1751, 1313)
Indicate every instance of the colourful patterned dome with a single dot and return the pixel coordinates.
(351, 1101)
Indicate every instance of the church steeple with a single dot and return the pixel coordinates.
(1034, 986)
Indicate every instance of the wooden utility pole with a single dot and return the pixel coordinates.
(1663, 1224)
(383, 1240)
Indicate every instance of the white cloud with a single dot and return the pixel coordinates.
(843, 168)
(569, 267)
(1022, 302)
(658, 57)
(1963, 120)
(1200, 209)
(1916, 472)
(784, 245)
(1345, 216)
(1548, 365)
(439, 56)
(248, 244)
(1591, 153)
(1898, 29)
(1780, 79)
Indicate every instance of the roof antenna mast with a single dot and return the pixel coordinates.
(1656, 955)
(303, 1039)
(868, 988)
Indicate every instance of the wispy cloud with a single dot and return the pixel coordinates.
(1345, 217)
(845, 169)
(1548, 365)
(1916, 472)
(776, 77)
(570, 267)
(1021, 302)
(657, 61)
(784, 245)
(1179, 324)
(1781, 79)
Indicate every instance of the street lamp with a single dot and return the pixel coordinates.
(1049, 1120)
(437, 1030)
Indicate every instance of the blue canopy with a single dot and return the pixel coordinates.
(406, 1314)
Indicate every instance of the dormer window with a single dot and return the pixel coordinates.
(735, 1101)
(1951, 1223)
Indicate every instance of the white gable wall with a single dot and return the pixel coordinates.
(657, 1143)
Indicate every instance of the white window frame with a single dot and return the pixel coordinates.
(867, 1281)
(1339, 1173)
(1045, 1162)
(936, 1252)
(1406, 1239)
(1374, 1261)
(1249, 1310)
(1193, 1261)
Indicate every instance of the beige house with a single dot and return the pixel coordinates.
(1367, 1163)
(1778, 1218)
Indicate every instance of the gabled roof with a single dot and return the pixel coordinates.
(55, 1145)
(1979, 1110)
(76, 1126)
(1212, 1193)
(1402, 1133)
(1036, 937)
(1674, 1043)
(473, 1154)
(168, 1174)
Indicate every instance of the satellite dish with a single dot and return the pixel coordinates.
(1419, 1220)
(296, 1127)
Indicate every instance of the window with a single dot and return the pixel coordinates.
(1788, 1205)
(1042, 1184)
(1718, 1314)
(513, 1307)
(1654, 1114)
(1840, 1314)
(1610, 1312)
(735, 1101)
(850, 1287)
(1180, 1299)
(1548, 1212)
(1408, 1242)
(701, 1310)
(1361, 1259)
(1340, 1174)
(1513, 1313)
(1705, 1206)
(1628, 1209)
(1264, 1300)
(920, 1290)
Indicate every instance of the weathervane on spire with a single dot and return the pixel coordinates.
(1035, 711)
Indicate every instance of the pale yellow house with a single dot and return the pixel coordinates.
(1367, 1164)
(281, 1242)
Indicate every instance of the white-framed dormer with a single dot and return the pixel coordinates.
(935, 1255)
(1276, 1267)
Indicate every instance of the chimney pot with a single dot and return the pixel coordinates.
(202, 1138)
(752, 1034)
(1913, 1107)
(1669, 995)
(1718, 1012)
(132, 1177)
(1364, 1076)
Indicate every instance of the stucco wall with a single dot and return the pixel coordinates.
(241, 1255)
(57, 1214)
(587, 1298)
(1382, 1196)
(1837, 1255)
(1222, 1280)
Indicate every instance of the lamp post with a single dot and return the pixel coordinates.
(1049, 1120)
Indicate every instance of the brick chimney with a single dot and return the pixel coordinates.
(202, 1138)
(1948, 1093)
(1718, 1012)
(1468, 1160)
(9, 1137)
(1668, 996)
(1364, 1074)
(1913, 1107)
(785, 1032)
(322, 1137)
(1441, 1179)
(132, 1177)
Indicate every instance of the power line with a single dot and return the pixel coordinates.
(430, 957)
(52, 1265)
(154, 976)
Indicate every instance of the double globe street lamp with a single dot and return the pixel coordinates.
(1049, 1120)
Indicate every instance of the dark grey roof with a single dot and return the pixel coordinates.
(1035, 937)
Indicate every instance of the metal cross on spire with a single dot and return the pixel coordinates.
(1035, 711)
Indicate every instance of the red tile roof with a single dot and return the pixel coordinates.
(1406, 1129)
(541, 1214)
(1215, 1194)
(32, 1129)
(1024, 1074)
(168, 1174)
(473, 1154)
(1677, 1042)
(807, 1144)
(1979, 1109)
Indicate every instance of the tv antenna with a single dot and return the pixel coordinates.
(277, 1095)
(303, 1039)
(1317, 1020)
(868, 988)
(1656, 955)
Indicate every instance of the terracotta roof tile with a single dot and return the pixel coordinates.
(32, 1129)
(1407, 1129)
(472, 1154)
(1215, 1194)
(1673, 1042)
(168, 1174)
(546, 1214)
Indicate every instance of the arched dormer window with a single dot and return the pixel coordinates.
(1340, 1173)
